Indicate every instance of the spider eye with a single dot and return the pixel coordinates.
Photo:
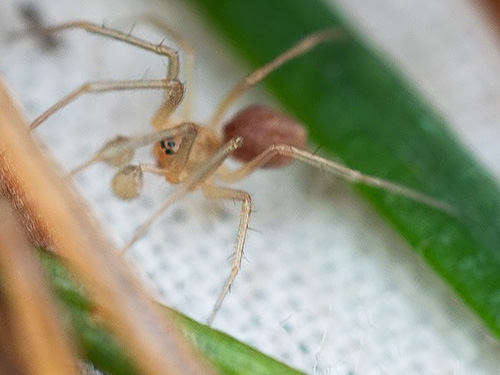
(168, 146)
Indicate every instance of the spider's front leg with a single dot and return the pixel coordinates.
(192, 182)
(120, 150)
(174, 90)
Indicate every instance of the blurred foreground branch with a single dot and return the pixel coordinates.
(54, 217)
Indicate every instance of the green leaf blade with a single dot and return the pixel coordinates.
(227, 355)
(360, 109)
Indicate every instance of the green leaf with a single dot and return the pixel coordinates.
(360, 109)
(227, 355)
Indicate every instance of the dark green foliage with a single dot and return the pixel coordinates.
(227, 355)
(360, 109)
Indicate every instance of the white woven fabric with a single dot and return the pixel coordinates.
(326, 287)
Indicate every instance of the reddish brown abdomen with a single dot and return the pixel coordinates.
(262, 127)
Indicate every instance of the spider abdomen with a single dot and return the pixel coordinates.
(262, 127)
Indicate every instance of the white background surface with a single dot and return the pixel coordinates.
(326, 286)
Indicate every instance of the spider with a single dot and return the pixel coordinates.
(193, 156)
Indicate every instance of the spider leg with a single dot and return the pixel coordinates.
(216, 192)
(159, 49)
(336, 169)
(173, 88)
(188, 51)
(119, 150)
(258, 75)
(173, 91)
(190, 183)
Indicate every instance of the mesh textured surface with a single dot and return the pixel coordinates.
(325, 285)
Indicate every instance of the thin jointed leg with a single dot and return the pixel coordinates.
(257, 76)
(216, 192)
(159, 49)
(178, 194)
(173, 88)
(336, 169)
(120, 150)
(192, 182)
(189, 57)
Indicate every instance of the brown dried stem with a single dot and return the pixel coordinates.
(40, 343)
(56, 218)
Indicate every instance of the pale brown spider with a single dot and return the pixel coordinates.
(193, 156)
